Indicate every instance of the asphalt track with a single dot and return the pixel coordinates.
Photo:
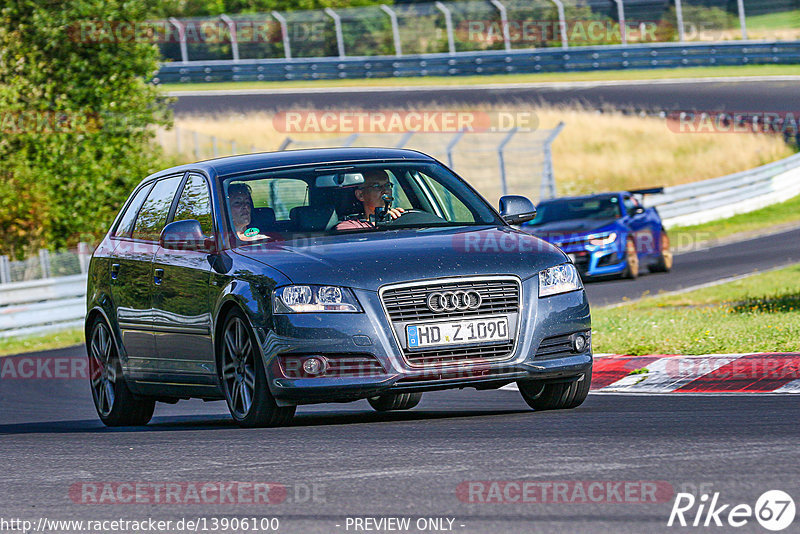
(403, 464)
(410, 464)
(765, 96)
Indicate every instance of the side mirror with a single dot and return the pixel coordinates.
(638, 210)
(184, 235)
(516, 209)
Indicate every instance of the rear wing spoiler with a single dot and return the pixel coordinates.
(650, 191)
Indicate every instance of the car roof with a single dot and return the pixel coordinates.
(585, 197)
(290, 158)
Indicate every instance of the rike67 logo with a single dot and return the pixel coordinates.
(774, 510)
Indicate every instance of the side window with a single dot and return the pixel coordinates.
(630, 204)
(453, 209)
(280, 194)
(153, 215)
(195, 203)
(125, 226)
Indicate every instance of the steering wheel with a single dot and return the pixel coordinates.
(415, 217)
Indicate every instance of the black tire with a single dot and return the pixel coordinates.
(395, 401)
(116, 405)
(664, 262)
(244, 381)
(558, 396)
(631, 271)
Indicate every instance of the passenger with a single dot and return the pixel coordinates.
(370, 193)
(240, 200)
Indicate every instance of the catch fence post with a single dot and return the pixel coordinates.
(501, 159)
(548, 185)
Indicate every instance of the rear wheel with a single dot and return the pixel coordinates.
(558, 396)
(631, 261)
(664, 263)
(244, 380)
(116, 405)
(395, 401)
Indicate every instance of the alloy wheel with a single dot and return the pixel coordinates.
(103, 369)
(238, 367)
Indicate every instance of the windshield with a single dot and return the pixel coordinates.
(586, 208)
(350, 198)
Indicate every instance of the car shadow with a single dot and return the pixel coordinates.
(221, 422)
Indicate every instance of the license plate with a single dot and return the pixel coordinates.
(464, 332)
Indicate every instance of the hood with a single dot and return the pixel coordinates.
(369, 260)
(558, 231)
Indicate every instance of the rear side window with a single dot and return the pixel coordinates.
(195, 203)
(153, 215)
(125, 226)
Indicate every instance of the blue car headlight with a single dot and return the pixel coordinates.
(559, 279)
(314, 299)
(602, 239)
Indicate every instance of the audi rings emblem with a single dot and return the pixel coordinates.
(450, 301)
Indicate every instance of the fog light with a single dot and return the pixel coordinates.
(579, 343)
(315, 366)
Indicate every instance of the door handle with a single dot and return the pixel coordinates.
(114, 270)
(158, 276)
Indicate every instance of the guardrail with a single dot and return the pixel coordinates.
(717, 198)
(40, 306)
(588, 58)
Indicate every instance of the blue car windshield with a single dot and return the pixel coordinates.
(571, 209)
(356, 197)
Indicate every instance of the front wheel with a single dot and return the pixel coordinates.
(116, 405)
(244, 380)
(395, 401)
(558, 396)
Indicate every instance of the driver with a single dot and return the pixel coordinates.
(376, 184)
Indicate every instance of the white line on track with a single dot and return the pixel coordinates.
(492, 86)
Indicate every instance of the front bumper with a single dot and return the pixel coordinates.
(369, 333)
(596, 261)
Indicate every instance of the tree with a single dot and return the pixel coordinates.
(76, 116)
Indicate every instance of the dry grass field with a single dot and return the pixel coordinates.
(594, 152)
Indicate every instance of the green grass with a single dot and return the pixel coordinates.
(775, 21)
(641, 74)
(56, 340)
(686, 237)
(760, 313)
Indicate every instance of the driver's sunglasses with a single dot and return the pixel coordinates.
(385, 186)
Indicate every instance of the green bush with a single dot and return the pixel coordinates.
(77, 120)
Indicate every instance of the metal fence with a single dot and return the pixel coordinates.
(511, 162)
(45, 265)
(473, 26)
(39, 306)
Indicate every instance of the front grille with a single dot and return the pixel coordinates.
(408, 304)
(448, 356)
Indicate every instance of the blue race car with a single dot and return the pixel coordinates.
(605, 235)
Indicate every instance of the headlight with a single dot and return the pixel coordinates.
(314, 299)
(602, 239)
(559, 279)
